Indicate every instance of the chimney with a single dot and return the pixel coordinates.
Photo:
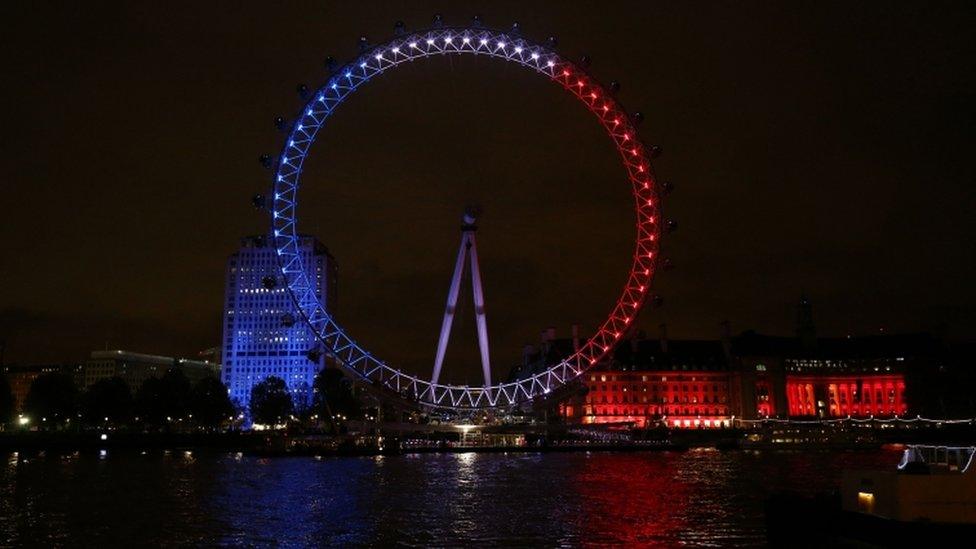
(576, 344)
(726, 331)
(664, 337)
(527, 352)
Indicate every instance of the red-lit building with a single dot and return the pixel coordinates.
(652, 397)
(702, 384)
(647, 383)
(846, 395)
(858, 377)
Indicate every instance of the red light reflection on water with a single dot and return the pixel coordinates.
(697, 498)
(631, 498)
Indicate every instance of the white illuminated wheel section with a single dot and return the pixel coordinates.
(547, 63)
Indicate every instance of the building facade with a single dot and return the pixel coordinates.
(648, 382)
(696, 384)
(752, 376)
(136, 368)
(831, 377)
(133, 368)
(263, 335)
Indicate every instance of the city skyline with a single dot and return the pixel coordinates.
(836, 215)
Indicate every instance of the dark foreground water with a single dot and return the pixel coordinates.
(695, 498)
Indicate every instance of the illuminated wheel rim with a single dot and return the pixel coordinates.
(475, 41)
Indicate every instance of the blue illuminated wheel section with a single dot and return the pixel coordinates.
(634, 155)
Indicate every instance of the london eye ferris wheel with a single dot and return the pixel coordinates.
(475, 40)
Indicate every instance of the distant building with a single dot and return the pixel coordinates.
(20, 378)
(263, 335)
(136, 368)
(681, 383)
(708, 383)
(838, 377)
(133, 368)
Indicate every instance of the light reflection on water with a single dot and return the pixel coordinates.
(697, 498)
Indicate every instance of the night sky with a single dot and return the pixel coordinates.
(815, 147)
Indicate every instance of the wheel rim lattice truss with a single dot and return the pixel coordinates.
(494, 44)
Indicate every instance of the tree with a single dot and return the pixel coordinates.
(107, 400)
(165, 400)
(6, 402)
(149, 406)
(176, 393)
(334, 396)
(302, 400)
(209, 402)
(52, 399)
(270, 401)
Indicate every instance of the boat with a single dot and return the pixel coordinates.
(805, 437)
(932, 484)
(929, 498)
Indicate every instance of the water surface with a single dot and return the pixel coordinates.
(698, 498)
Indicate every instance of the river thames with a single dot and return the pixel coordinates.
(697, 498)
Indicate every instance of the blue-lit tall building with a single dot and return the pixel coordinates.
(257, 340)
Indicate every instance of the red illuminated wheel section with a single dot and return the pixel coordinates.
(542, 60)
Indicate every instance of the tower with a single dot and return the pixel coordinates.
(806, 332)
(263, 334)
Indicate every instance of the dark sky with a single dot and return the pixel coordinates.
(818, 147)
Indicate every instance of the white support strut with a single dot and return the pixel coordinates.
(479, 311)
(468, 247)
